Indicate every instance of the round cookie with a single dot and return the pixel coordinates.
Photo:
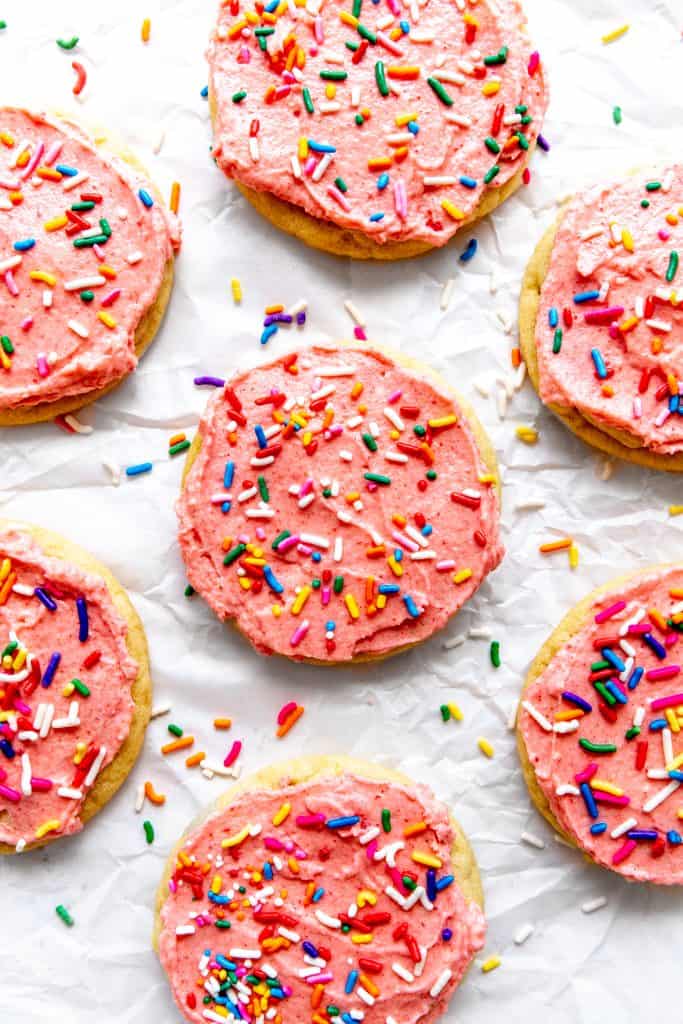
(610, 309)
(75, 686)
(369, 519)
(433, 121)
(320, 846)
(76, 313)
(599, 724)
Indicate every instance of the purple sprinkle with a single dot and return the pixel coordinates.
(301, 318)
(214, 382)
(45, 598)
(52, 666)
(277, 318)
(543, 143)
(82, 609)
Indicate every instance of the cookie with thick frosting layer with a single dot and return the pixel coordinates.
(599, 318)
(320, 882)
(339, 505)
(86, 265)
(374, 132)
(75, 688)
(600, 723)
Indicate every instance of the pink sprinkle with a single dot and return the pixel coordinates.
(172, 885)
(43, 368)
(306, 487)
(664, 672)
(334, 431)
(285, 711)
(111, 298)
(445, 565)
(287, 543)
(325, 595)
(310, 165)
(27, 323)
(397, 878)
(300, 632)
(272, 844)
(394, 396)
(394, 7)
(640, 628)
(358, 332)
(11, 283)
(667, 702)
(388, 44)
(608, 613)
(42, 785)
(233, 753)
(282, 91)
(670, 639)
(624, 851)
(33, 162)
(587, 773)
(603, 316)
(319, 979)
(318, 30)
(52, 153)
(21, 707)
(371, 850)
(400, 199)
(610, 798)
(310, 820)
(339, 196)
(10, 794)
(404, 541)
(260, 533)
(663, 416)
(304, 549)
(99, 252)
(534, 61)
(244, 55)
(371, 486)
(664, 235)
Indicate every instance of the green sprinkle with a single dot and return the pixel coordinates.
(237, 97)
(495, 654)
(64, 44)
(355, 10)
(557, 341)
(653, 186)
(598, 666)
(440, 91)
(189, 590)
(632, 732)
(386, 819)
(491, 144)
(315, 583)
(263, 488)
(346, 928)
(327, 492)
(149, 832)
(608, 697)
(86, 243)
(222, 924)
(370, 442)
(106, 230)
(381, 78)
(332, 1010)
(62, 912)
(616, 115)
(279, 539)
(264, 31)
(329, 75)
(673, 266)
(597, 748)
(234, 554)
(175, 730)
(522, 140)
(308, 102)
(181, 446)
(419, 430)
(521, 108)
(351, 45)
(365, 33)
(409, 883)
(378, 478)
(87, 295)
(3, 25)
(431, 474)
(263, 43)
(338, 584)
(497, 58)
(445, 713)
(645, 203)
(359, 119)
(86, 204)
(7, 345)
(341, 185)
(491, 173)
(10, 649)
(80, 687)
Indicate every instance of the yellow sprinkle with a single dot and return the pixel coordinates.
(365, 897)
(675, 510)
(369, 985)
(106, 319)
(236, 290)
(427, 859)
(352, 606)
(454, 212)
(236, 839)
(485, 747)
(5, 360)
(301, 599)
(5, 569)
(462, 575)
(68, 690)
(381, 601)
(216, 884)
(302, 151)
(443, 421)
(404, 119)
(617, 33)
(293, 864)
(80, 752)
(361, 940)
(106, 271)
(606, 787)
(145, 31)
(487, 478)
(245, 583)
(490, 88)
(627, 239)
(357, 389)
(222, 723)
(675, 764)
(573, 555)
(672, 720)
(415, 829)
(282, 814)
(491, 964)
(395, 566)
(48, 826)
(44, 276)
(455, 711)
(527, 434)
(276, 611)
(55, 224)
(348, 19)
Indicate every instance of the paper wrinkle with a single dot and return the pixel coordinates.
(575, 968)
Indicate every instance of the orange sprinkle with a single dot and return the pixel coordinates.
(145, 31)
(415, 829)
(106, 271)
(176, 439)
(48, 174)
(379, 163)
(175, 197)
(369, 985)
(568, 716)
(194, 759)
(222, 723)
(270, 310)
(555, 545)
(403, 73)
(180, 744)
(7, 586)
(316, 997)
(154, 798)
(516, 357)
(290, 721)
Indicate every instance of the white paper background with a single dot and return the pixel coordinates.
(621, 960)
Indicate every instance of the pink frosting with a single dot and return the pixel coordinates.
(93, 726)
(618, 241)
(257, 138)
(644, 809)
(431, 541)
(61, 344)
(303, 883)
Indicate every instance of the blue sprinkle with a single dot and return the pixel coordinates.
(309, 948)
(268, 871)
(316, 556)
(145, 198)
(635, 678)
(600, 367)
(141, 467)
(589, 800)
(346, 822)
(52, 666)
(24, 244)
(68, 172)
(553, 318)
(7, 749)
(674, 774)
(404, 27)
(321, 147)
(413, 127)
(45, 599)
(223, 962)
(330, 626)
(657, 724)
(590, 296)
(382, 181)
(225, 507)
(205, 92)
(614, 660)
(398, 554)
(673, 403)
(467, 181)
(272, 6)
(444, 882)
(376, 216)
(447, 935)
(229, 474)
(613, 687)
(674, 837)
(598, 828)
(318, 895)
(219, 898)
(268, 333)
(350, 984)
(427, 530)
(346, 1017)
(573, 698)
(413, 610)
(642, 833)
(272, 581)
(82, 609)
(431, 884)
(261, 436)
(470, 251)
(389, 588)
(654, 644)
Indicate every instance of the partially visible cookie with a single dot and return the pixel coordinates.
(86, 259)
(340, 505)
(375, 132)
(75, 688)
(599, 318)
(600, 722)
(320, 882)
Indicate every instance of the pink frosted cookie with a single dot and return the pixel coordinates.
(338, 506)
(75, 689)
(86, 266)
(600, 318)
(374, 129)
(599, 726)
(319, 884)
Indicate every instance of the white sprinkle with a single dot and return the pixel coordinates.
(76, 425)
(322, 166)
(47, 298)
(592, 905)
(161, 709)
(620, 830)
(72, 183)
(80, 329)
(95, 768)
(26, 787)
(661, 796)
(393, 417)
(79, 283)
(402, 973)
(440, 983)
(70, 793)
(134, 257)
(139, 798)
(438, 180)
(395, 457)
(338, 549)
(461, 120)
(567, 790)
(354, 313)
(254, 151)
(455, 641)
(523, 933)
(327, 920)
(446, 293)
(368, 836)
(532, 840)
(537, 716)
(187, 929)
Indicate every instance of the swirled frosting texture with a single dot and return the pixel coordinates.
(626, 668)
(282, 77)
(55, 738)
(339, 506)
(69, 308)
(312, 887)
(608, 333)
